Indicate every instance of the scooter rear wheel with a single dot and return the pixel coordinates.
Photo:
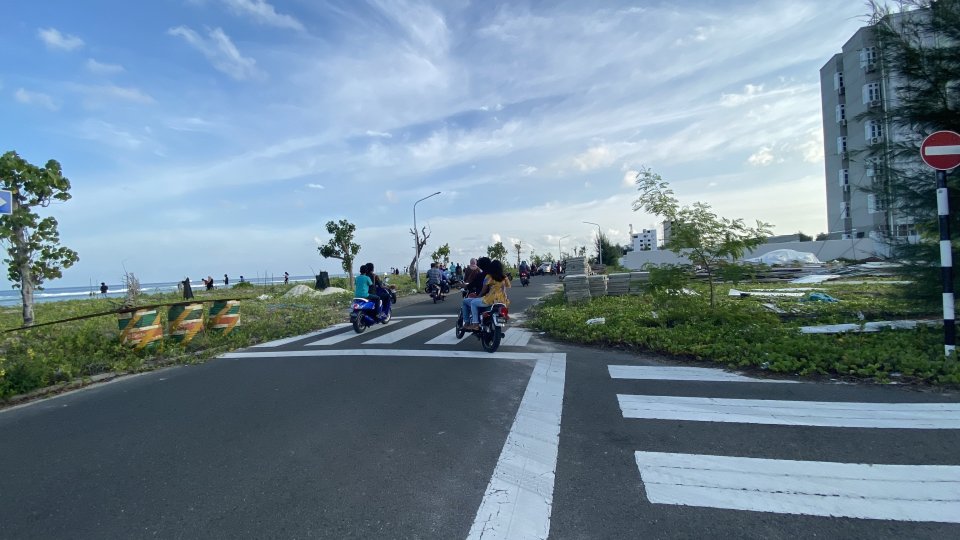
(460, 330)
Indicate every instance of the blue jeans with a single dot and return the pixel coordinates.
(474, 304)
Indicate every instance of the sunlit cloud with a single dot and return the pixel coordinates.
(35, 98)
(101, 68)
(263, 13)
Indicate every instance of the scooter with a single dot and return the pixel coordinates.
(492, 321)
(524, 279)
(368, 312)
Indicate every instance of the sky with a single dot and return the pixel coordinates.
(204, 137)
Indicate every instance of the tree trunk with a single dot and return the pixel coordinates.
(26, 276)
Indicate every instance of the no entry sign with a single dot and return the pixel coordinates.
(941, 150)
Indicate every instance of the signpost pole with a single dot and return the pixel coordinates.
(946, 265)
(941, 152)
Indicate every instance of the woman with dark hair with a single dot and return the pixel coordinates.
(376, 282)
(494, 291)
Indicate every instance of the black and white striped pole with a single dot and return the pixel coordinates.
(941, 151)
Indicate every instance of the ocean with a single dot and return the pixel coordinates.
(11, 297)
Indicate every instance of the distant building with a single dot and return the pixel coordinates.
(854, 82)
(645, 240)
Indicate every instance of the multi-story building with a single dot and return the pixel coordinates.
(855, 90)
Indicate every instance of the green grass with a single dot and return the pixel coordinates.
(742, 333)
(48, 355)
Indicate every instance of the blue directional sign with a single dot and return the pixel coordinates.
(6, 203)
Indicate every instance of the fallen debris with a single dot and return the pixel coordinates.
(598, 320)
(874, 326)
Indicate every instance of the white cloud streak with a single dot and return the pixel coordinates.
(35, 98)
(103, 69)
(263, 13)
(56, 40)
(220, 51)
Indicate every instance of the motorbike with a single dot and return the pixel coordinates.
(492, 320)
(437, 292)
(524, 279)
(366, 312)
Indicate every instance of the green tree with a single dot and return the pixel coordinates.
(920, 46)
(341, 246)
(497, 251)
(441, 254)
(611, 252)
(804, 237)
(33, 244)
(696, 232)
(823, 236)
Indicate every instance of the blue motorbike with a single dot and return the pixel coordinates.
(368, 312)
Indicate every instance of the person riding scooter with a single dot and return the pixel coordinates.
(434, 278)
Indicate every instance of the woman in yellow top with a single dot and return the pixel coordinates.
(494, 291)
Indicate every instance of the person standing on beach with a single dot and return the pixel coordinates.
(103, 288)
(286, 278)
(187, 291)
(226, 280)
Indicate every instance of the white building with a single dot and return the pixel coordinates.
(645, 240)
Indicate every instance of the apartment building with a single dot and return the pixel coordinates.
(852, 83)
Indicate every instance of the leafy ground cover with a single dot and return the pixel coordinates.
(60, 353)
(742, 332)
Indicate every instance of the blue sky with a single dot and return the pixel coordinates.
(219, 136)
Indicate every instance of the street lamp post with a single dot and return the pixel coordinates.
(558, 246)
(599, 243)
(416, 239)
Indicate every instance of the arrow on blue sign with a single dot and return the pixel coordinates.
(6, 203)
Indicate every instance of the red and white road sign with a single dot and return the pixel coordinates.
(941, 150)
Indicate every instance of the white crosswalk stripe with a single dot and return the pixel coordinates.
(895, 492)
(403, 332)
(343, 336)
(515, 338)
(447, 338)
(928, 493)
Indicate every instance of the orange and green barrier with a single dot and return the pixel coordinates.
(224, 315)
(184, 321)
(140, 329)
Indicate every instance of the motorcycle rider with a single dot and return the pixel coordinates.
(474, 286)
(434, 276)
(365, 286)
(495, 285)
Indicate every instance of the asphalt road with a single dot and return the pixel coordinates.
(403, 432)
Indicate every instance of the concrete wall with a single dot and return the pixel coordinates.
(825, 250)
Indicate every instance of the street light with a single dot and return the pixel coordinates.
(416, 239)
(599, 243)
(558, 246)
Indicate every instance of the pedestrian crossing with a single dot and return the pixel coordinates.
(410, 331)
(915, 492)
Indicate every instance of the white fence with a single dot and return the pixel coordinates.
(825, 250)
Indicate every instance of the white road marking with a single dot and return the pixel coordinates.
(793, 413)
(669, 373)
(333, 340)
(866, 491)
(515, 338)
(425, 317)
(403, 332)
(447, 338)
(285, 341)
(432, 353)
(519, 497)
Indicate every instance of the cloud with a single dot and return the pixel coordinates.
(111, 94)
(55, 40)
(381, 134)
(315, 186)
(495, 237)
(191, 123)
(220, 51)
(109, 134)
(750, 92)
(103, 69)
(527, 170)
(761, 157)
(35, 98)
(630, 178)
(391, 196)
(263, 13)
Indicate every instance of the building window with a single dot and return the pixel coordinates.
(906, 229)
(874, 204)
(873, 131)
(844, 177)
(838, 80)
(868, 57)
(841, 113)
(841, 144)
(844, 210)
(871, 93)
